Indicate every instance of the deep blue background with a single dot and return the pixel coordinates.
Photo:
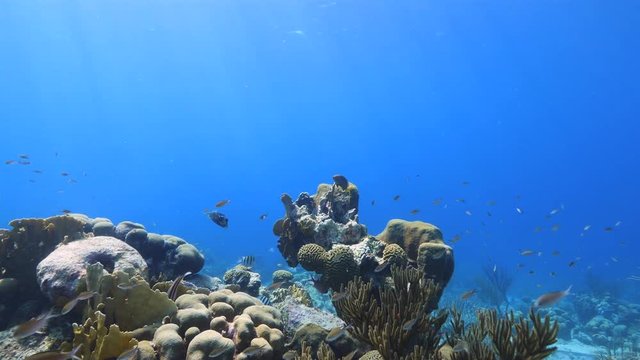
(161, 108)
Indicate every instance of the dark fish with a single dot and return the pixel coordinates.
(465, 183)
(9, 162)
(337, 296)
(37, 171)
(572, 263)
(131, 354)
(219, 219)
(491, 203)
(456, 238)
(65, 211)
(23, 156)
(248, 261)
(555, 227)
(24, 162)
(437, 202)
(263, 216)
(608, 229)
(381, 267)
(551, 298)
(489, 213)
(396, 198)
(222, 203)
(415, 211)
(73, 302)
(56, 355)
(373, 202)
(468, 294)
(531, 272)
(351, 355)
(33, 325)
(173, 289)
(407, 326)
(319, 285)
(64, 174)
(555, 253)
(553, 274)
(341, 181)
(520, 266)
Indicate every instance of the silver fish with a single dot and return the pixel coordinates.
(56, 355)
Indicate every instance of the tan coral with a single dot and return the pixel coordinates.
(409, 235)
(341, 266)
(312, 257)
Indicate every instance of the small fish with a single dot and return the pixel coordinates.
(248, 260)
(9, 162)
(335, 334)
(128, 287)
(337, 296)
(586, 228)
(64, 173)
(491, 203)
(551, 298)
(65, 211)
(614, 259)
(263, 216)
(73, 302)
(572, 263)
(56, 355)
(218, 218)
(468, 294)
(461, 347)
(555, 253)
(131, 354)
(527, 252)
(520, 265)
(33, 325)
(414, 211)
(489, 213)
(23, 162)
(634, 277)
(537, 229)
(341, 181)
(495, 268)
(456, 238)
(373, 202)
(23, 156)
(381, 267)
(531, 272)
(173, 289)
(437, 202)
(276, 285)
(461, 200)
(553, 274)
(37, 171)
(265, 300)
(519, 211)
(618, 223)
(555, 227)
(554, 211)
(608, 229)
(465, 183)
(408, 326)
(468, 213)
(222, 203)
(396, 198)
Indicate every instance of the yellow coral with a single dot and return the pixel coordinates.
(341, 266)
(312, 257)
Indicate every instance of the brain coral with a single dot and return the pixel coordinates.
(312, 257)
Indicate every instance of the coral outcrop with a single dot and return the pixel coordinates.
(243, 279)
(59, 273)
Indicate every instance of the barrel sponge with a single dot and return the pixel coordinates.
(409, 235)
(210, 342)
(312, 257)
(341, 266)
(282, 276)
(395, 254)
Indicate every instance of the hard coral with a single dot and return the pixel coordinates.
(313, 257)
(341, 266)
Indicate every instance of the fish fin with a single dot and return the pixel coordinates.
(568, 291)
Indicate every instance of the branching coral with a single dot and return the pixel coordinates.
(395, 320)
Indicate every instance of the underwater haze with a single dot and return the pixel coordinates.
(510, 125)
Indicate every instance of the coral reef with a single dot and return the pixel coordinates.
(244, 279)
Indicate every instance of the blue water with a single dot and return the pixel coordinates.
(159, 109)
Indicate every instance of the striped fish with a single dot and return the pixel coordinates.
(173, 289)
(265, 300)
(248, 261)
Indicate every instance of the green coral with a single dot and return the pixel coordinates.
(313, 257)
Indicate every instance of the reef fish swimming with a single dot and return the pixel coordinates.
(56, 355)
(86, 295)
(33, 325)
(222, 203)
(218, 218)
(173, 289)
(551, 298)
